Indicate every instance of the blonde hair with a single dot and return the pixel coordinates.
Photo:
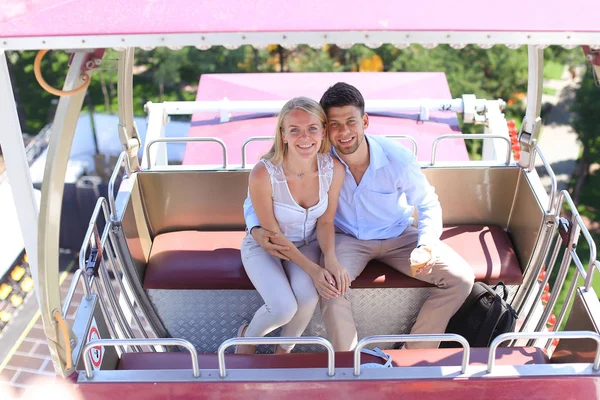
(279, 148)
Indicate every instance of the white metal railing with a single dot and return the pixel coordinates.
(123, 159)
(331, 370)
(98, 259)
(566, 233)
(89, 372)
(470, 137)
(467, 104)
(473, 110)
(548, 229)
(446, 337)
(543, 335)
(268, 138)
(536, 151)
(406, 137)
(253, 139)
(276, 340)
(187, 139)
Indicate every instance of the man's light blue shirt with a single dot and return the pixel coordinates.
(382, 204)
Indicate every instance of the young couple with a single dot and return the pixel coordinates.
(316, 217)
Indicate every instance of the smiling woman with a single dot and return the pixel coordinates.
(293, 192)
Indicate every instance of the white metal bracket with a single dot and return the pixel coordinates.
(424, 110)
(225, 112)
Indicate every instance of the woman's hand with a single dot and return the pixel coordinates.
(324, 283)
(265, 238)
(339, 272)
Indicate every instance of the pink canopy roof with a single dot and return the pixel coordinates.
(46, 18)
(376, 86)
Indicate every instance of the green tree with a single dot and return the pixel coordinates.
(587, 125)
(306, 59)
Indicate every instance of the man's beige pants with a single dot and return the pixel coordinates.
(451, 275)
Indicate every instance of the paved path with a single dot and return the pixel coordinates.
(24, 354)
(558, 141)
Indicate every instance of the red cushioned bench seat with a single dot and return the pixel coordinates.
(400, 358)
(211, 260)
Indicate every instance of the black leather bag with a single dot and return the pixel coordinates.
(483, 316)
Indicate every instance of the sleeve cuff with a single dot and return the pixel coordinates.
(251, 222)
(427, 240)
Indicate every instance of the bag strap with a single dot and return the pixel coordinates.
(493, 314)
(377, 352)
(504, 290)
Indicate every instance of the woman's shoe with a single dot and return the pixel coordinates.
(281, 350)
(244, 348)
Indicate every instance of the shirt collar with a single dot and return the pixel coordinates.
(378, 158)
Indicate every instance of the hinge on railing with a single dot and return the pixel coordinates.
(527, 141)
(93, 261)
(131, 144)
(565, 230)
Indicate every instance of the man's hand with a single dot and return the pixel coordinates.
(339, 272)
(264, 238)
(324, 283)
(426, 269)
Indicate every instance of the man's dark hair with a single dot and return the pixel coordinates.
(342, 94)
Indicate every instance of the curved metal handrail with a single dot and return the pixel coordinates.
(409, 138)
(139, 342)
(184, 140)
(445, 337)
(588, 278)
(111, 183)
(543, 335)
(252, 139)
(565, 196)
(470, 137)
(276, 340)
(74, 282)
(554, 184)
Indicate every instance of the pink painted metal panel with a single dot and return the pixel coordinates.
(531, 388)
(380, 86)
(38, 18)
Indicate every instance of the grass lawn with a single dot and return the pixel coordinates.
(549, 91)
(589, 208)
(553, 70)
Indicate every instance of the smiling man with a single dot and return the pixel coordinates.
(382, 186)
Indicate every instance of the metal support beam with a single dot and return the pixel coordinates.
(128, 133)
(530, 129)
(59, 149)
(17, 168)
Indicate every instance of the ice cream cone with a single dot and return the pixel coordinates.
(419, 258)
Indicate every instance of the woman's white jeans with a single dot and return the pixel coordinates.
(289, 293)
